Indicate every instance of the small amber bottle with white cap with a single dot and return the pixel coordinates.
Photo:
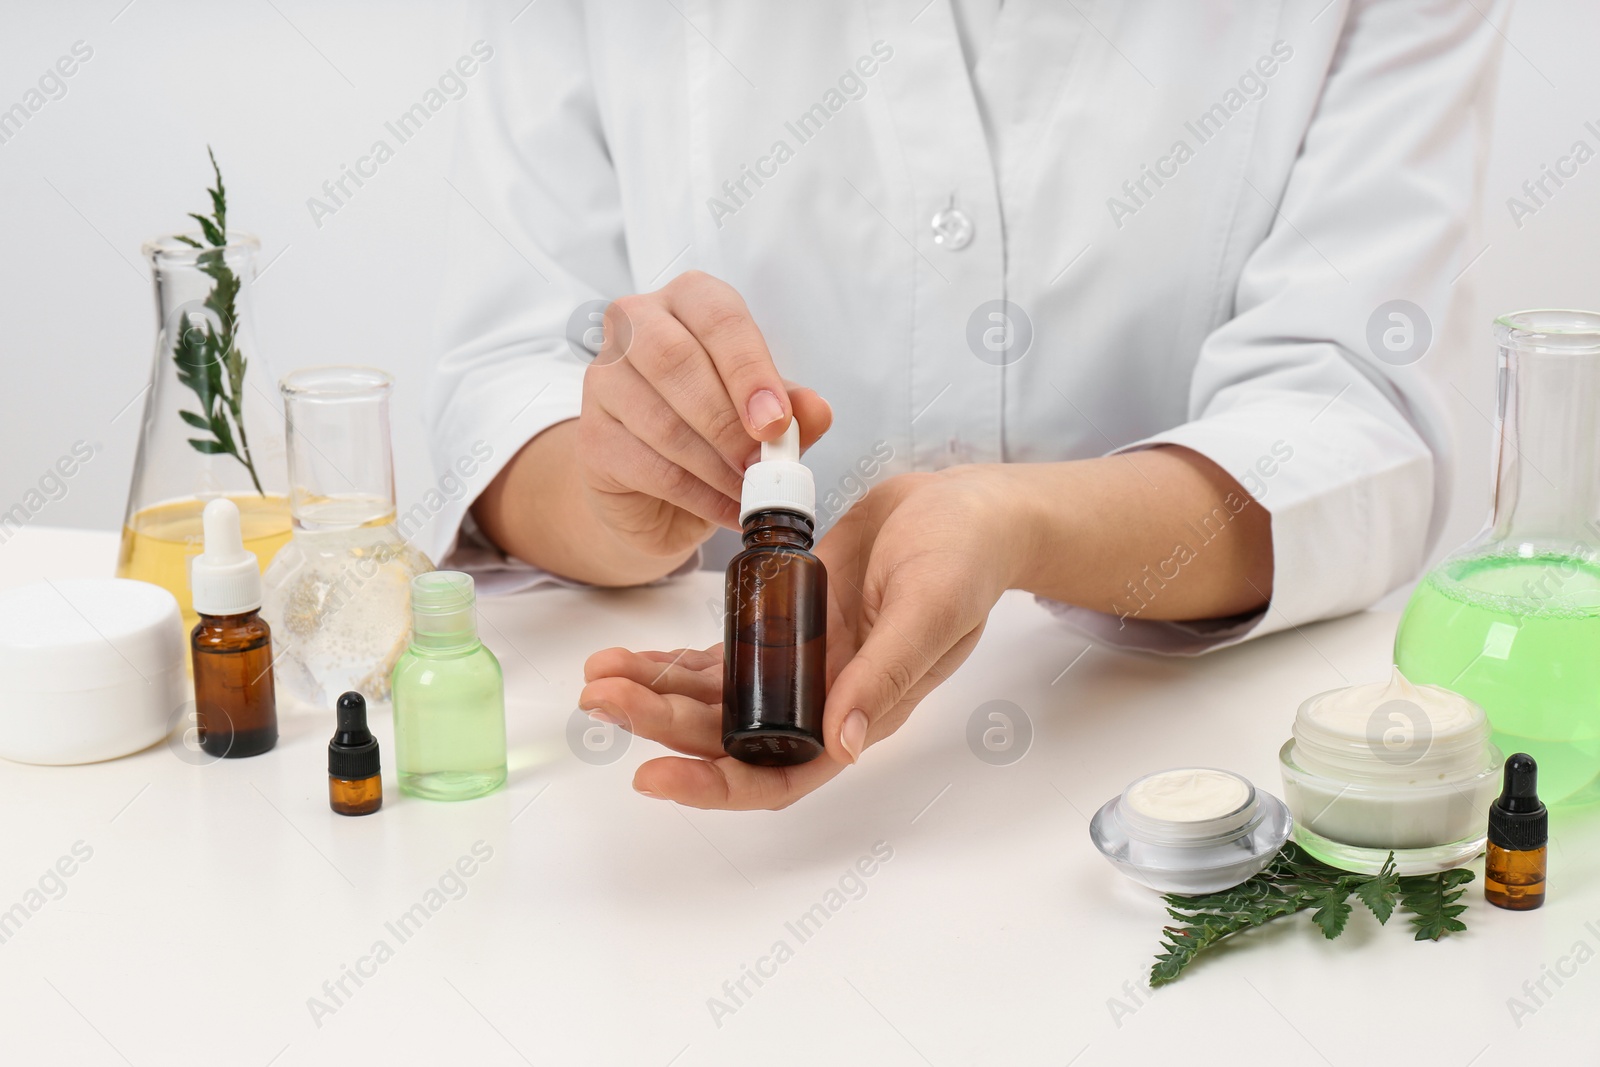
(236, 709)
(775, 640)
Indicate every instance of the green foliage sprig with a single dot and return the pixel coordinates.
(1295, 881)
(209, 360)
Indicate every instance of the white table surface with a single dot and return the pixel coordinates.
(218, 899)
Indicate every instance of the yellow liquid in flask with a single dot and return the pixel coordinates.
(159, 541)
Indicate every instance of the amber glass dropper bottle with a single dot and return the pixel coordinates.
(354, 785)
(236, 710)
(775, 639)
(1519, 834)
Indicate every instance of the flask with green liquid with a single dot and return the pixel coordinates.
(449, 696)
(1511, 620)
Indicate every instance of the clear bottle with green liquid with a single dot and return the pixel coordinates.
(449, 696)
(1511, 620)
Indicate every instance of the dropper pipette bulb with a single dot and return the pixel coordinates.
(785, 447)
(351, 712)
(224, 542)
(1521, 789)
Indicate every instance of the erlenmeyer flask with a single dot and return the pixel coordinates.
(1512, 618)
(211, 427)
(338, 596)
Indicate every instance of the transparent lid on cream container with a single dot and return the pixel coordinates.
(1191, 830)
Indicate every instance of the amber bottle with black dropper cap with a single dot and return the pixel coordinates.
(1519, 832)
(236, 708)
(354, 784)
(775, 637)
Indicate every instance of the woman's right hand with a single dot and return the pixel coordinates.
(674, 409)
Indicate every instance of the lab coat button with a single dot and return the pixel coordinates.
(952, 229)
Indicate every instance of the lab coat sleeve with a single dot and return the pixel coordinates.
(535, 247)
(1346, 450)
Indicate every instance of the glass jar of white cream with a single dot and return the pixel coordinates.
(1190, 830)
(1386, 767)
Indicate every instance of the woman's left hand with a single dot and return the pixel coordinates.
(913, 570)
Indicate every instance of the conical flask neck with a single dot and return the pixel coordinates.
(210, 426)
(1547, 470)
(341, 459)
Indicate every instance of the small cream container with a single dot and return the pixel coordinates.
(1390, 767)
(91, 669)
(1191, 830)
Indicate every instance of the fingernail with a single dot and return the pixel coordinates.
(853, 734)
(602, 716)
(765, 409)
(647, 793)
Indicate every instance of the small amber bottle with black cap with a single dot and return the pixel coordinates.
(1519, 832)
(354, 785)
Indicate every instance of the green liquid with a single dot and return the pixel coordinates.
(449, 723)
(1521, 637)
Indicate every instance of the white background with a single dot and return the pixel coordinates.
(288, 91)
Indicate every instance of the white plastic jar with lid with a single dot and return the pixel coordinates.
(1390, 767)
(91, 669)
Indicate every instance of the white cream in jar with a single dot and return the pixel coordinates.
(1390, 766)
(1190, 830)
(1188, 795)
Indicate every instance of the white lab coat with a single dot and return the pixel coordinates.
(1197, 208)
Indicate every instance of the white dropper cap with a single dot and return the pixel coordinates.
(780, 482)
(224, 579)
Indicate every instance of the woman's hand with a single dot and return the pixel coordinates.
(674, 408)
(913, 570)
